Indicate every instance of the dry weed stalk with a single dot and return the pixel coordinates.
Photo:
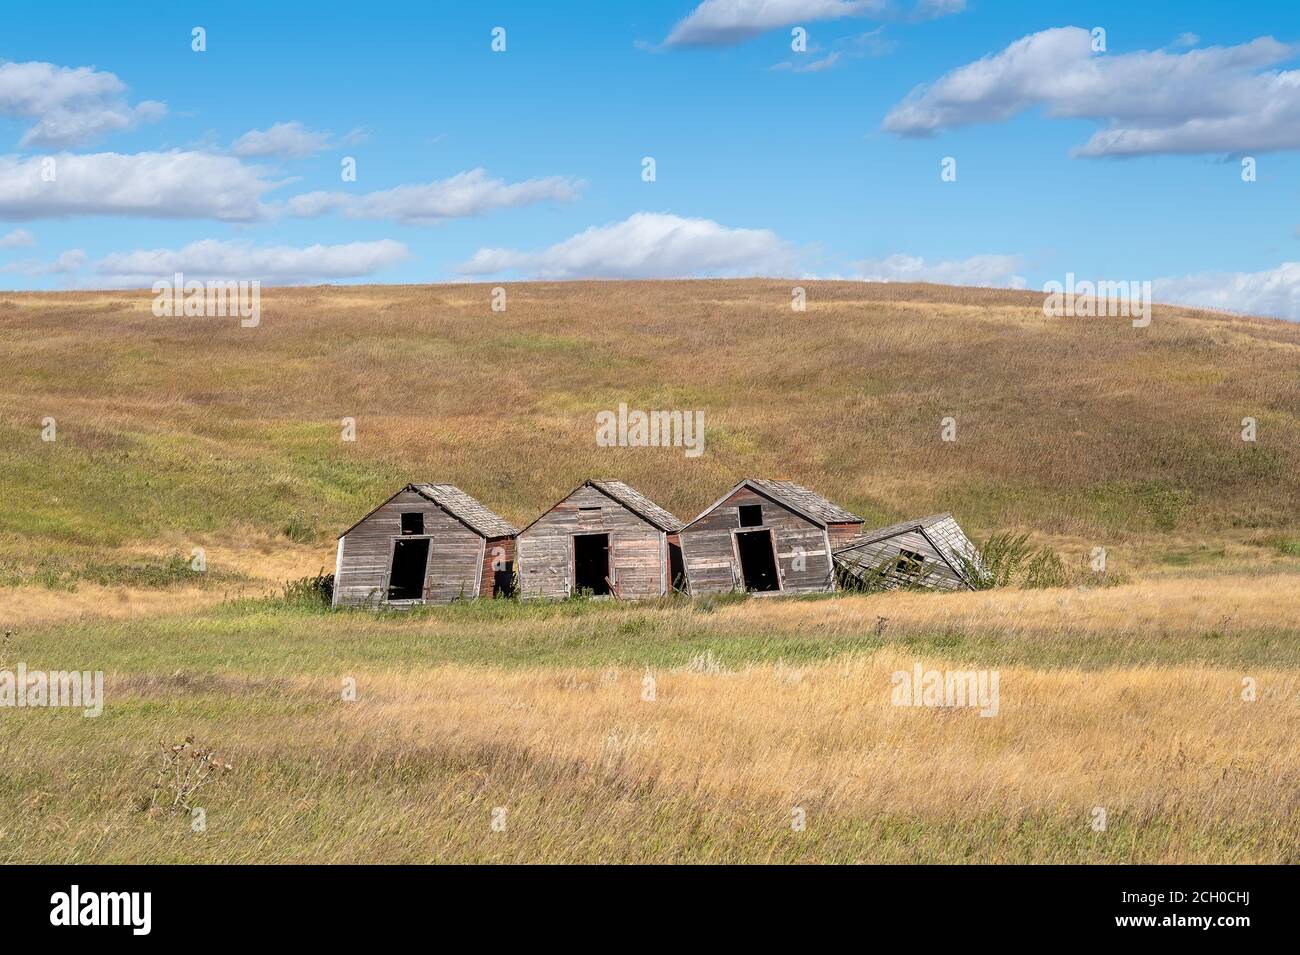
(183, 770)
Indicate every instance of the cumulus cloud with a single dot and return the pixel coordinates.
(66, 264)
(70, 106)
(991, 271)
(646, 245)
(464, 194)
(170, 185)
(17, 239)
(727, 22)
(1218, 99)
(1274, 292)
(290, 140)
(216, 260)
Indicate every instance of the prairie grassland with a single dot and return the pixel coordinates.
(183, 433)
(1127, 698)
(711, 770)
(199, 429)
(1237, 622)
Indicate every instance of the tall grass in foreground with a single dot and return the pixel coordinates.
(710, 770)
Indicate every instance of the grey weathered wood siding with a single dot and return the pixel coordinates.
(710, 555)
(937, 573)
(455, 554)
(638, 549)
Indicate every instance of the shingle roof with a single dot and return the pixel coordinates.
(460, 505)
(637, 502)
(806, 502)
(892, 530)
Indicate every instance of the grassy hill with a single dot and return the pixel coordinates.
(176, 433)
(200, 429)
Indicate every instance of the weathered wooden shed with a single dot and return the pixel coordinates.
(928, 552)
(428, 543)
(605, 539)
(766, 537)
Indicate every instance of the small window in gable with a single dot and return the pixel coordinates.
(751, 515)
(412, 523)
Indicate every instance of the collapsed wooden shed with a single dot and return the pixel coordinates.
(603, 539)
(928, 552)
(428, 543)
(766, 537)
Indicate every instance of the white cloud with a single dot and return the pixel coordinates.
(212, 259)
(1208, 100)
(17, 239)
(290, 140)
(188, 184)
(66, 264)
(930, 9)
(1273, 292)
(170, 185)
(464, 194)
(871, 44)
(810, 66)
(646, 245)
(726, 22)
(70, 106)
(991, 271)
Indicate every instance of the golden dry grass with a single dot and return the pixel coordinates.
(1067, 426)
(827, 737)
(182, 433)
(711, 770)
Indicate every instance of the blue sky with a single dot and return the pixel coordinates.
(480, 165)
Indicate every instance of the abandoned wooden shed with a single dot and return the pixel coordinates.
(428, 543)
(604, 539)
(928, 552)
(766, 537)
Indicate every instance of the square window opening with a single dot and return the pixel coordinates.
(910, 563)
(412, 523)
(751, 515)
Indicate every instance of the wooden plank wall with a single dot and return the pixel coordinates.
(711, 565)
(454, 549)
(545, 550)
(870, 556)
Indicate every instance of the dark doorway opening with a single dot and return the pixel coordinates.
(406, 579)
(591, 563)
(758, 560)
(676, 568)
(503, 581)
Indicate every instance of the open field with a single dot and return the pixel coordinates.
(179, 434)
(759, 708)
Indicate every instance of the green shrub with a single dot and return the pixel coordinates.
(317, 591)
